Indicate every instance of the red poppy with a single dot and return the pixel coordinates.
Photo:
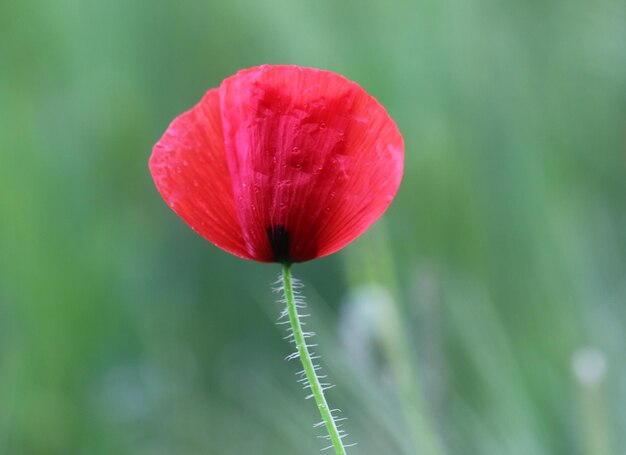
(280, 163)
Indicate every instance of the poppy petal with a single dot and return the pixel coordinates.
(190, 170)
(312, 153)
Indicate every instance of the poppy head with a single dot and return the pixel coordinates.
(280, 163)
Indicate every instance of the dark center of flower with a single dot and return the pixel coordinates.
(279, 241)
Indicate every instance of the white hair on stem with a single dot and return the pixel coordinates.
(309, 376)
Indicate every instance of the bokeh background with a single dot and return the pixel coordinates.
(485, 314)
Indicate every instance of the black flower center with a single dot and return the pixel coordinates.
(279, 241)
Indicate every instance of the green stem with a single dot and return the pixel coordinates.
(307, 363)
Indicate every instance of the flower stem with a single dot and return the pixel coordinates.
(307, 363)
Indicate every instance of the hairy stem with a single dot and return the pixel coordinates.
(310, 370)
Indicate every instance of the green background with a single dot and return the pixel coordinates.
(484, 314)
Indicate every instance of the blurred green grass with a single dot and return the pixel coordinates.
(504, 254)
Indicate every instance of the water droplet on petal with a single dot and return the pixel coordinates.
(296, 150)
(322, 125)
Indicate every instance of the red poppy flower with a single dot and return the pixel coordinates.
(280, 163)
